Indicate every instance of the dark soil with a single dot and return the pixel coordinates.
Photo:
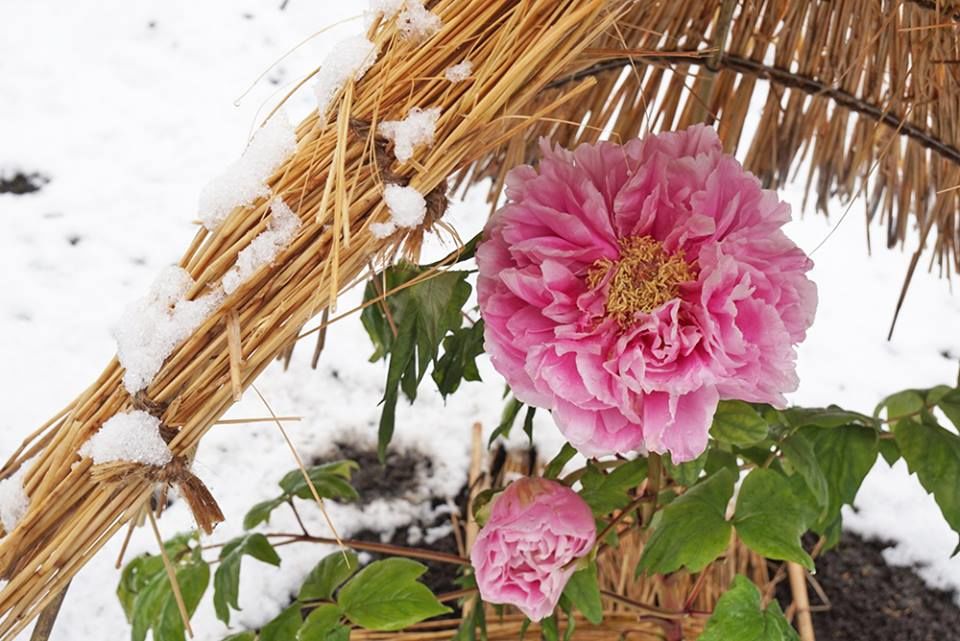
(21, 183)
(872, 601)
(402, 476)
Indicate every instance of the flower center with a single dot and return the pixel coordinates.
(642, 279)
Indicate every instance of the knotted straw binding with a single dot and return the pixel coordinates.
(177, 472)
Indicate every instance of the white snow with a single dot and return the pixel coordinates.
(245, 180)
(349, 59)
(417, 128)
(130, 436)
(416, 22)
(171, 118)
(459, 72)
(13, 499)
(151, 328)
(407, 205)
(382, 230)
(282, 228)
(385, 8)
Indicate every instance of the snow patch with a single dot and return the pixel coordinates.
(13, 499)
(281, 229)
(416, 22)
(349, 59)
(459, 72)
(132, 436)
(418, 128)
(385, 8)
(151, 328)
(382, 230)
(245, 180)
(407, 206)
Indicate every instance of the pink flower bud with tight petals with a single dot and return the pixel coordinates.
(527, 551)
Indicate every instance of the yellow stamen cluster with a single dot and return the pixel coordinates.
(644, 277)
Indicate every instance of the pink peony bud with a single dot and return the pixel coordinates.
(526, 552)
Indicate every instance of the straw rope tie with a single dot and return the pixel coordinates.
(177, 472)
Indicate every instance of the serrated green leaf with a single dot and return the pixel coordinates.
(826, 417)
(147, 596)
(737, 423)
(845, 454)
(686, 474)
(226, 580)
(284, 627)
(739, 616)
(320, 623)
(328, 575)
(768, 518)
(583, 590)
(331, 480)
(606, 492)
(409, 327)
(386, 596)
(459, 360)
(933, 454)
(799, 452)
(691, 531)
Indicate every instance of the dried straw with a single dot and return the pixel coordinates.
(334, 184)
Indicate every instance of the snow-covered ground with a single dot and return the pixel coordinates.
(129, 109)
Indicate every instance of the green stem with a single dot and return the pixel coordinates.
(654, 480)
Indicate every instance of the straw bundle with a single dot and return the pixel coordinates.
(867, 94)
(334, 184)
(864, 90)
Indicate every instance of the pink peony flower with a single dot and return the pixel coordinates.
(629, 288)
(525, 554)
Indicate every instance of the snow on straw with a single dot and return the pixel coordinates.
(382, 230)
(152, 327)
(416, 22)
(245, 180)
(407, 205)
(281, 229)
(459, 72)
(13, 499)
(385, 8)
(132, 436)
(417, 128)
(350, 58)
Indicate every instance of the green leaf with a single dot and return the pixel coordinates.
(949, 404)
(688, 473)
(459, 360)
(409, 327)
(331, 480)
(691, 531)
(339, 633)
(889, 450)
(550, 629)
(845, 454)
(507, 418)
(933, 454)
(555, 466)
(584, 593)
(827, 417)
(386, 596)
(528, 423)
(226, 580)
(606, 492)
(260, 513)
(284, 627)
(246, 635)
(320, 623)
(737, 423)
(768, 518)
(739, 616)
(902, 404)
(799, 452)
(147, 596)
(328, 575)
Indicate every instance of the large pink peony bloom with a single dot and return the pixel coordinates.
(525, 553)
(629, 288)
